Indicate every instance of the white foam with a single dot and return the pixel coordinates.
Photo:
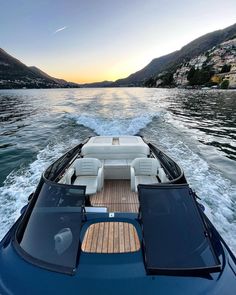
(21, 182)
(217, 193)
(107, 126)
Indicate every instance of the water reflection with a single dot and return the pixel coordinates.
(14, 108)
(213, 113)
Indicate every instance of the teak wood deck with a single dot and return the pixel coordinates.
(116, 196)
(111, 237)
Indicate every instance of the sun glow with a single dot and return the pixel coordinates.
(102, 71)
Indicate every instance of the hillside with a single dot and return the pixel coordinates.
(179, 68)
(61, 82)
(216, 68)
(15, 74)
(97, 84)
(172, 61)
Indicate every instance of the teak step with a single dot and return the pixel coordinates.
(111, 237)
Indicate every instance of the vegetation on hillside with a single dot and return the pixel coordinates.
(200, 76)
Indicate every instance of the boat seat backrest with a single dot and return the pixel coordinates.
(89, 172)
(87, 166)
(108, 156)
(106, 150)
(143, 171)
(145, 166)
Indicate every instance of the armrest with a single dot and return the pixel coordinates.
(132, 179)
(100, 178)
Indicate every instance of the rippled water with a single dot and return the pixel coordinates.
(196, 128)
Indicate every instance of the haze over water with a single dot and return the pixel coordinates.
(196, 128)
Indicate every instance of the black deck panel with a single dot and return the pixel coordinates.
(175, 238)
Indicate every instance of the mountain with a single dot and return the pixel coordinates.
(170, 62)
(61, 82)
(15, 74)
(161, 71)
(97, 84)
(216, 68)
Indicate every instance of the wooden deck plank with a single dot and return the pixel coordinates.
(136, 239)
(121, 237)
(111, 237)
(95, 238)
(105, 238)
(88, 241)
(117, 197)
(116, 247)
(126, 237)
(100, 238)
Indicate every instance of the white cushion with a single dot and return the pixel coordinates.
(145, 166)
(87, 166)
(115, 162)
(143, 171)
(125, 147)
(145, 179)
(91, 183)
(89, 172)
(107, 155)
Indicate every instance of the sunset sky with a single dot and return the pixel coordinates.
(96, 40)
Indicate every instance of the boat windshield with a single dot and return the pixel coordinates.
(52, 232)
(179, 242)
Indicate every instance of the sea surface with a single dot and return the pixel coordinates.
(195, 127)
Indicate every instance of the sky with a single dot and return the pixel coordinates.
(96, 40)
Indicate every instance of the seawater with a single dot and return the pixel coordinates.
(197, 128)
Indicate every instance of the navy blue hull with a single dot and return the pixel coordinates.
(101, 274)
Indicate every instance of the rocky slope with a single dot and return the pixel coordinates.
(216, 66)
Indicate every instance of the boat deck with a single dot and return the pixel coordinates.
(111, 237)
(116, 196)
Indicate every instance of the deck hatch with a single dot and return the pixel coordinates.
(110, 238)
(175, 238)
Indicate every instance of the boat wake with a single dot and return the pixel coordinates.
(114, 126)
(217, 193)
(20, 183)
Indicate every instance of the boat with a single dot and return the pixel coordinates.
(115, 215)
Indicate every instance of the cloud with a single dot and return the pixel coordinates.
(59, 30)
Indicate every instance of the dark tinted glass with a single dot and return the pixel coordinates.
(174, 234)
(54, 170)
(172, 169)
(53, 230)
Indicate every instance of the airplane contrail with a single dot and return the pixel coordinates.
(59, 30)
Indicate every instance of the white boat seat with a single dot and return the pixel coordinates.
(143, 171)
(66, 179)
(89, 172)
